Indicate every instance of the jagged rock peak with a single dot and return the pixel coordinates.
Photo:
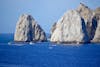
(83, 5)
(85, 13)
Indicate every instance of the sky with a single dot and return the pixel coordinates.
(45, 12)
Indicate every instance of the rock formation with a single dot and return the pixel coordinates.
(75, 26)
(28, 30)
(70, 28)
(97, 33)
(80, 25)
(90, 21)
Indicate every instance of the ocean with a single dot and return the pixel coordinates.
(47, 54)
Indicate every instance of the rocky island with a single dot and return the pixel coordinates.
(81, 25)
(27, 30)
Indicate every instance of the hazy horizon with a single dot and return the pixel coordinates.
(45, 12)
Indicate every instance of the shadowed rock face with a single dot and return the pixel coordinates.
(90, 21)
(53, 28)
(28, 30)
(70, 28)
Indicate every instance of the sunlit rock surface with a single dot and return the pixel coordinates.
(70, 28)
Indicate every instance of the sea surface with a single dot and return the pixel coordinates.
(47, 54)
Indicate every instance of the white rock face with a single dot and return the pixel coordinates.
(70, 28)
(28, 30)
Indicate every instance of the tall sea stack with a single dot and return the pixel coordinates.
(28, 30)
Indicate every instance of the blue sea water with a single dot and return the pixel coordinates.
(47, 54)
